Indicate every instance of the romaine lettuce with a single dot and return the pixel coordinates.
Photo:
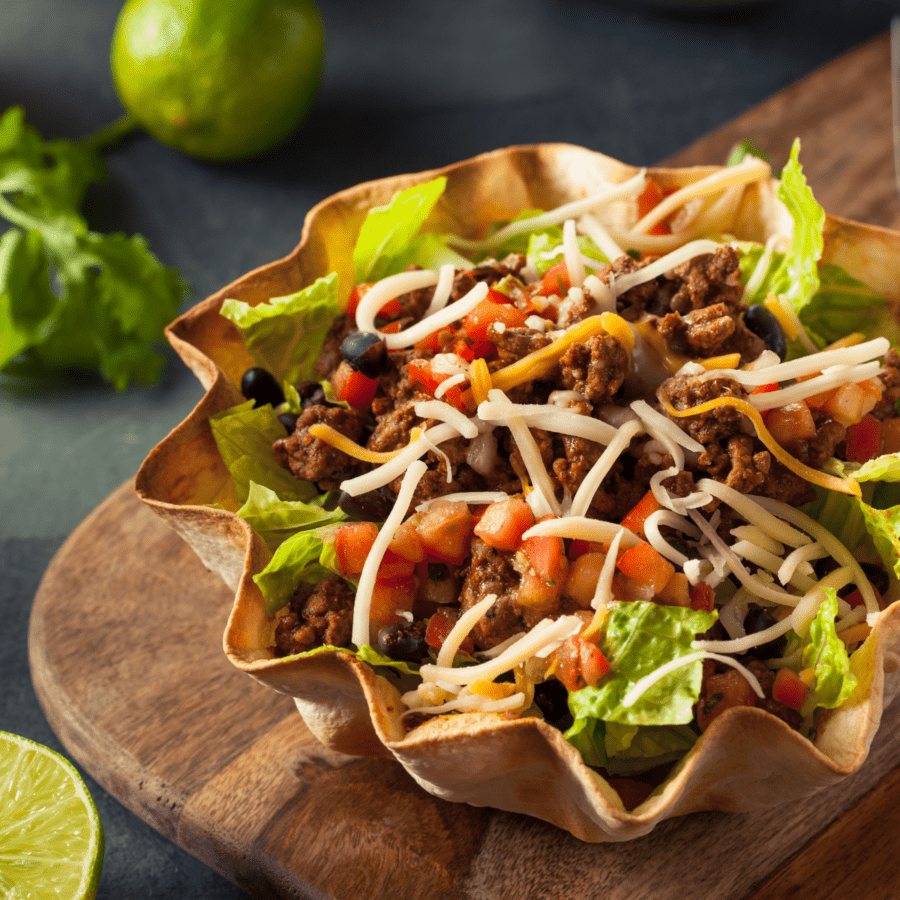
(639, 638)
(542, 244)
(827, 654)
(286, 334)
(244, 435)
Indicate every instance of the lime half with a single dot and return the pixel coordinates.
(51, 839)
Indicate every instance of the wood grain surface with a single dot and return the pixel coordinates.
(126, 658)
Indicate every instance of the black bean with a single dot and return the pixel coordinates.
(372, 506)
(404, 641)
(764, 325)
(364, 352)
(682, 546)
(880, 579)
(316, 398)
(757, 620)
(552, 699)
(824, 566)
(260, 386)
(307, 388)
(289, 420)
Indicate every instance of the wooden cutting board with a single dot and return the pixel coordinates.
(125, 652)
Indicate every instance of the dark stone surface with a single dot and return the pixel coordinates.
(407, 86)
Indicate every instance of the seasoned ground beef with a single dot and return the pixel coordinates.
(319, 614)
(890, 378)
(312, 459)
(330, 357)
(491, 571)
(686, 391)
(595, 369)
(514, 343)
(699, 333)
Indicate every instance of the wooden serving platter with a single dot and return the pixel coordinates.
(126, 658)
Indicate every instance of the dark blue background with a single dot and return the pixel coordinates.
(407, 86)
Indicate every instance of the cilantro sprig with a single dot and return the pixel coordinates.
(71, 298)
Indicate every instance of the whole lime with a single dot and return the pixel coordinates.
(221, 80)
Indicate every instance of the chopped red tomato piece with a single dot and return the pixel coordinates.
(650, 198)
(864, 439)
(791, 423)
(353, 387)
(582, 577)
(445, 531)
(391, 597)
(437, 341)
(766, 388)
(644, 565)
(542, 582)
(406, 543)
(441, 624)
(855, 598)
(352, 544)
(579, 663)
(555, 281)
(721, 692)
(394, 566)
(634, 520)
(789, 688)
(391, 308)
(850, 402)
(677, 591)
(503, 523)
(421, 375)
(496, 308)
(703, 597)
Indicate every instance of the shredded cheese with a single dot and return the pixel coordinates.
(389, 289)
(572, 254)
(480, 380)
(341, 442)
(559, 420)
(642, 685)
(363, 602)
(728, 361)
(446, 275)
(460, 631)
(444, 412)
(844, 485)
(541, 361)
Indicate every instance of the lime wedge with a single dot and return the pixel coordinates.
(51, 838)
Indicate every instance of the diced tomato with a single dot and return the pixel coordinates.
(582, 578)
(855, 598)
(627, 590)
(406, 543)
(543, 581)
(646, 566)
(440, 625)
(634, 520)
(766, 388)
(503, 523)
(394, 566)
(389, 598)
(358, 292)
(789, 688)
(578, 547)
(555, 281)
(353, 387)
(391, 308)
(850, 402)
(650, 198)
(391, 328)
(720, 692)
(579, 663)
(437, 341)
(791, 423)
(421, 375)
(864, 439)
(677, 591)
(702, 597)
(489, 311)
(445, 531)
(352, 545)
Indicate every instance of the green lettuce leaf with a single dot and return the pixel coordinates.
(632, 749)
(286, 334)
(375, 658)
(541, 243)
(297, 559)
(742, 150)
(276, 520)
(827, 654)
(639, 638)
(244, 435)
(586, 735)
(429, 251)
(388, 231)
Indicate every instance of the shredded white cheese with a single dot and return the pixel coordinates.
(363, 602)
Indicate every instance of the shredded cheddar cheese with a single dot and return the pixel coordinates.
(831, 482)
(728, 361)
(541, 361)
(341, 442)
(480, 380)
(775, 306)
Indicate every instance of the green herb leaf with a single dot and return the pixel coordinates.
(71, 298)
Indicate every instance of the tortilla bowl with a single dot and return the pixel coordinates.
(746, 760)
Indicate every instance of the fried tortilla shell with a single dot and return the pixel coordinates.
(746, 760)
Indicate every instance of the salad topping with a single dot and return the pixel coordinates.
(579, 463)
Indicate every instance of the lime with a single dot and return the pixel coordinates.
(221, 80)
(51, 839)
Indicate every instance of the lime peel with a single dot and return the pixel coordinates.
(51, 836)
